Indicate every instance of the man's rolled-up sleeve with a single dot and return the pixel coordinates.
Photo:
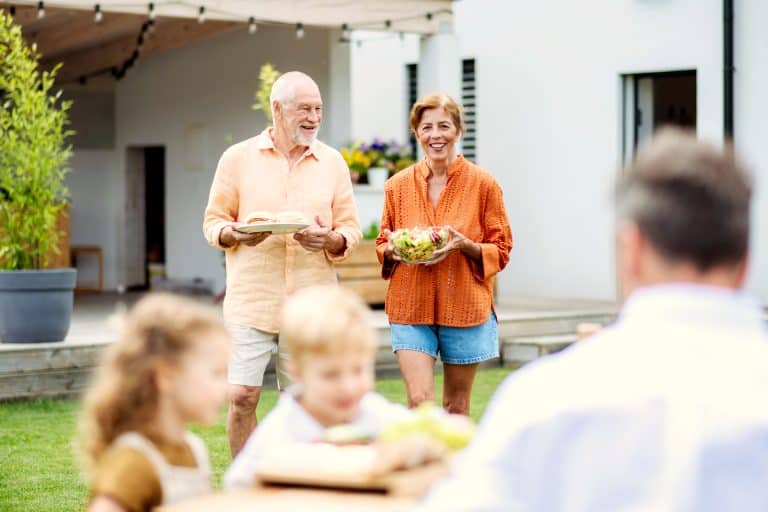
(345, 221)
(222, 207)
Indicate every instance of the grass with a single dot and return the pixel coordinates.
(37, 469)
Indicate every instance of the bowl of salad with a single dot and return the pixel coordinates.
(416, 245)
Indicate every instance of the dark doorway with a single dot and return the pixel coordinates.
(154, 164)
(653, 100)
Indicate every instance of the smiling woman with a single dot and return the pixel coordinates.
(444, 306)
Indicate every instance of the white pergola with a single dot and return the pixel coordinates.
(95, 36)
(417, 16)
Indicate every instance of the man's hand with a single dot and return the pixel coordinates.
(229, 237)
(320, 238)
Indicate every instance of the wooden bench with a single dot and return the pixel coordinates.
(361, 273)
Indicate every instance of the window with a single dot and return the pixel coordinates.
(469, 103)
(653, 100)
(412, 96)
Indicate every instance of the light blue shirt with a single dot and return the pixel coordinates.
(667, 410)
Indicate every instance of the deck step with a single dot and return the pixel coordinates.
(520, 350)
(64, 369)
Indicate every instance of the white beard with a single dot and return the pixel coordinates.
(304, 140)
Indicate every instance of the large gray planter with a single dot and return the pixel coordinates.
(36, 305)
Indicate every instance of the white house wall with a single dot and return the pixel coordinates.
(751, 123)
(94, 211)
(196, 101)
(378, 93)
(549, 118)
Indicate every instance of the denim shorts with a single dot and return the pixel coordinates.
(455, 345)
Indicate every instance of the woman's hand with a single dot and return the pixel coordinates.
(456, 242)
(389, 252)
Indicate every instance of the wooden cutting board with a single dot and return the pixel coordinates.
(345, 467)
(412, 482)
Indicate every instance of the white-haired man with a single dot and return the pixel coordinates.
(284, 168)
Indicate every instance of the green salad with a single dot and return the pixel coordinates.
(416, 245)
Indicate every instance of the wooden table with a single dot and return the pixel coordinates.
(292, 499)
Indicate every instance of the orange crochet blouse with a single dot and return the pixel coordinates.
(456, 292)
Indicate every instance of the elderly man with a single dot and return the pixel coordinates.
(285, 168)
(664, 411)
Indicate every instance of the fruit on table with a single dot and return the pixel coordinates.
(452, 430)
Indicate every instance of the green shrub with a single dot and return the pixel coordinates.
(33, 153)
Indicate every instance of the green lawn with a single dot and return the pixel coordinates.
(37, 471)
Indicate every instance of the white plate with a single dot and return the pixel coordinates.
(276, 228)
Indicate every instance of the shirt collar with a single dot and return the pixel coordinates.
(696, 306)
(265, 141)
(457, 165)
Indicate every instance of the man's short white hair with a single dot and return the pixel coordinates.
(282, 92)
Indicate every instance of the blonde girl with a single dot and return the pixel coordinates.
(168, 368)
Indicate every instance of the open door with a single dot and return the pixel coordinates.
(135, 214)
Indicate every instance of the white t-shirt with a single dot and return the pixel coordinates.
(289, 423)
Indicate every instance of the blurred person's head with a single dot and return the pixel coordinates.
(297, 108)
(437, 124)
(168, 367)
(328, 334)
(683, 215)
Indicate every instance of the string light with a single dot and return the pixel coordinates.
(148, 27)
(12, 10)
(40, 10)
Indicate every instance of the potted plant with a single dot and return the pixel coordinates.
(357, 161)
(35, 302)
(377, 172)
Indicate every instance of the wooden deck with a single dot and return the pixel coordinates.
(528, 328)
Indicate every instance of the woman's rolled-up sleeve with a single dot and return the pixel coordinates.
(387, 222)
(497, 236)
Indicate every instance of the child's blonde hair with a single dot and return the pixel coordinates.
(161, 329)
(325, 320)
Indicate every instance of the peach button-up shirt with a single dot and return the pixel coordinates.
(253, 175)
(457, 292)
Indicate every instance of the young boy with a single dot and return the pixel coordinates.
(327, 332)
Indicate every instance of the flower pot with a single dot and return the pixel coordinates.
(377, 176)
(36, 305)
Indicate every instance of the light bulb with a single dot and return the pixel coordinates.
(299, 31)
(252, 26)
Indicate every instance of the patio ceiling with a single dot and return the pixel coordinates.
(68, 31)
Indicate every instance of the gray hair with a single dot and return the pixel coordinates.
(690, 199)
(283, 91)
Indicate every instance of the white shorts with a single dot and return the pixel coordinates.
(252, 350)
